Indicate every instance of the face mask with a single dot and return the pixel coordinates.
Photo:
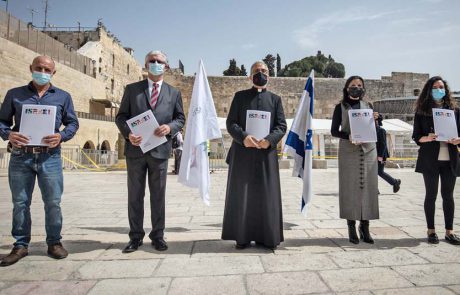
(259, 79)
(41, 78)
(156, 69)
(438, 94)
(355, 92)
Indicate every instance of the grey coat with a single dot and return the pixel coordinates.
(168, 110)
(358, 184)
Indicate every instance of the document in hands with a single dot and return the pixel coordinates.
(37, 121)
(362, 125)
(144, 125)
(258, 123)
(445, 126)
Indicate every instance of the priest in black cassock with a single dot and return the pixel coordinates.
(253, 210)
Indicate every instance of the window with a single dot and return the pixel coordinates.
(113, 60)
(113, 85)
(127, 69)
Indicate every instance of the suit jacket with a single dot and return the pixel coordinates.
(168, 110)
(429, 151)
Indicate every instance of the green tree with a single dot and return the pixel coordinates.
(323, 66)
(243, 71)
(270, 61)
(233, 69)
(278, 63)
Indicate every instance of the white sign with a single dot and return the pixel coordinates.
(258, 123)
(362, 125)
(37, 121)
(445, 126)
(144, 125)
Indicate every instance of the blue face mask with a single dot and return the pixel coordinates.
(41, 78)
(438, 94)
(156, 69)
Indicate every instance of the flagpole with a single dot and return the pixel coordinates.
(6, 5)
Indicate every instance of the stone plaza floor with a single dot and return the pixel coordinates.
(315, 257)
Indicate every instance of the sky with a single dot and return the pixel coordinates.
(371, 38)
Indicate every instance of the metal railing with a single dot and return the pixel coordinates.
(75, 158)
(29, 37)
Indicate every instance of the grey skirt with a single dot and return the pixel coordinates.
(358, 183)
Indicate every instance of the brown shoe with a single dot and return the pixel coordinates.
(57, 251)
(15, 255)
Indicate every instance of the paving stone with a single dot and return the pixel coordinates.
(131, 286)
(28, 270)
(286, 283)
(440, 253)
(50, 288)
(208, 285)
(117, 269)
(432, 274)
(455, 288)
(366, 258)
(226, 248)
(205, 266)
(356, 279)
(415, 291)
(297, 262)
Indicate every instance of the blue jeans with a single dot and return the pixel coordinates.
(23, 169)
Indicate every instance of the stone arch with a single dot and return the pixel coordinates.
(89, 145)
(105, 146)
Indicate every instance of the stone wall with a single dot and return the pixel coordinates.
(328, 91)
(89, 130)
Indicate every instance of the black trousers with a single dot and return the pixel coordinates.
(441, 170)
(156, 172)
(387, 177)
(177, 156)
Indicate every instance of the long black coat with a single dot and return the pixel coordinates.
(429, 151)
(253, 210)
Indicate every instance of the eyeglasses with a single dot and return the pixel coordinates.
(158, 61)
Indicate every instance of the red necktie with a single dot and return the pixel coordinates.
(154, 96)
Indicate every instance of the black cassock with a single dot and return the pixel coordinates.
(253, 210)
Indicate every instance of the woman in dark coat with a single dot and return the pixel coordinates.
(253, 210)
(358, 192)
(437, 160)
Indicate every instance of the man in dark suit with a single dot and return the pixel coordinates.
(165, 102)
(382, 155)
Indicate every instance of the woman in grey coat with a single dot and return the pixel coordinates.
(358, 191)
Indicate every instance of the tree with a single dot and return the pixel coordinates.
(278, 63)
(243, 71)
(323, 66)
(232, 70)
(270, 61)
(334, 70)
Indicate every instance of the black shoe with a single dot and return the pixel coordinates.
(160, 244)
(452, 239)
(433, 238)
(364, 233)
(396, 186)
(352, 236)
(132, 246)
(242, 246)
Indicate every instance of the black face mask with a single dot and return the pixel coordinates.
(259, 79)
(356, 92)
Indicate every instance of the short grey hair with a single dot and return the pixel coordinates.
(156, 52)
(259, 62)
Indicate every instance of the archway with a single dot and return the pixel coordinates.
(105, 146)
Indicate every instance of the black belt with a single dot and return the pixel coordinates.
(35, 149)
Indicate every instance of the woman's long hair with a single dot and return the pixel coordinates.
(425, 101)
(346, 98)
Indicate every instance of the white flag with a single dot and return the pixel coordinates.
(299, 144)
(202, 126)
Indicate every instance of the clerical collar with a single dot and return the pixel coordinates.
(259, 90)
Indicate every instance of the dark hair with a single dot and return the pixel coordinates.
(425, 101)
(346, 98)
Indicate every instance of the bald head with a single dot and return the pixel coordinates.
(43, 64)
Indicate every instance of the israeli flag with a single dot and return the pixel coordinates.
(299, 143)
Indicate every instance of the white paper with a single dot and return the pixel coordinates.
(445, 126)
(258, 123)
(362, 125)
(37, 121)
(144, 125)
